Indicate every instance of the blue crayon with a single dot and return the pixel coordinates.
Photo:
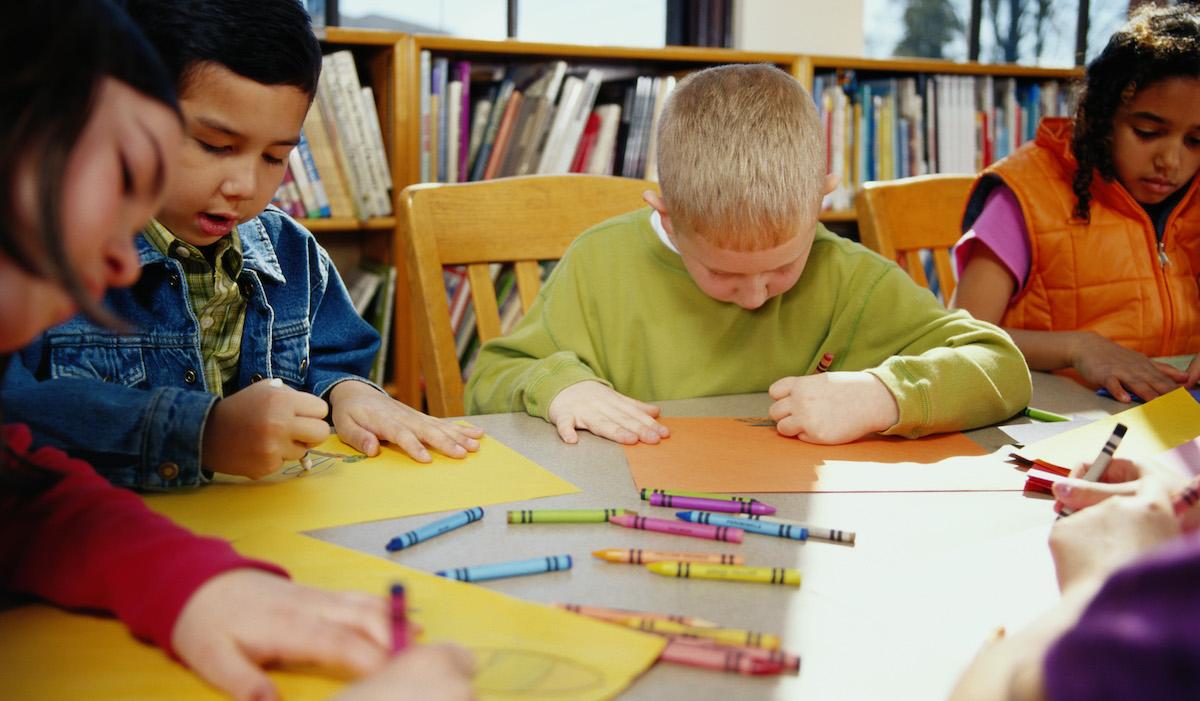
(438, 527)
(500, 570)
(779, 530)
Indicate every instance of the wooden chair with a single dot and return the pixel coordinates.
(520, 220)
(899, 218)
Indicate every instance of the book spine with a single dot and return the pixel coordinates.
(308, 200)
(426, 175)
(453, 129)
(314, 176)
(464, 133)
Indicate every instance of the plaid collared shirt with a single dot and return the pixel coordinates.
(215, 297)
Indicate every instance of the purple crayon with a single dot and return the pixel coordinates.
(699, 504)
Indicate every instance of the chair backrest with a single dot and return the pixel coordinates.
(899, 218)
(521, 220)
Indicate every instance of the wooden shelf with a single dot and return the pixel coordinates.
(927, 65)
(347, 224)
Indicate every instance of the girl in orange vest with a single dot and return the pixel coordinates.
(1085, 243)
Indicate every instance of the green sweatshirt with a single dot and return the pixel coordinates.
(621, 308)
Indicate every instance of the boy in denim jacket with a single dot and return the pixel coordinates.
(229, 294)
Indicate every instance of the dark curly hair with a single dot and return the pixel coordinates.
(1157, 43)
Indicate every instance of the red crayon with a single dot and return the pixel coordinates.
(826, 361)
(790, 663)
(399, 619)
(694, 530)
(719, 657)
(701, 504)
(1187, 498)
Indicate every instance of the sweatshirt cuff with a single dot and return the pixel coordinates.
(172, 437)
(912, 398)
(556, 374)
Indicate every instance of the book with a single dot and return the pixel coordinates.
(426, 60)
(326, 161)
(376, 149)
(453, 129)
(665, 86)
(488, 140)
(479, 122)
(314, 176)
(600, 160)
(308, 200)
(534, 120)
(463, 71)
(587, 142)
(362, 285)
(380, 313)
(440, 87)
(503, 135)
(348, 140)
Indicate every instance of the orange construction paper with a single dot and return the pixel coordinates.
(734, 455)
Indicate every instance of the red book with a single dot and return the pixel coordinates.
(503, 135)
(587, 141)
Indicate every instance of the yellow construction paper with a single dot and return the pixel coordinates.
(523, 650)
(1154, 427)
(345, 487)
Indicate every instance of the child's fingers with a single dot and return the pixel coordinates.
(309, 430)
(640, 423)
(310, 405)
(789, 426)
(224, 666)
(566, 429)
(649, 409)
(781, 388)
(1172, 373)
(364, 612)
(1113, 385)
(1077, 494)
(400, 436)
(463, 437)
(779, 411)
(435, 435)
(608, 426)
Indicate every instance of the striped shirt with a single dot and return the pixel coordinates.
(215, 299)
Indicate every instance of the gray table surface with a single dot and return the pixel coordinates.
(895, 616)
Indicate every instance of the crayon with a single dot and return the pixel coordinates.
(306, 461)
(723, 636)
(637, 556)
(831, 534)
(647, 491)
(624, 615)
(565, 515)
(1043, 415)
(1187, 498)
(789, 662)
(733, 573)
(779, 530)
(500, 570)
(826, 361)
(399, 609)
(436, 528)
(731, 507)
(1097, 468)
(694, 530)
(725, 659)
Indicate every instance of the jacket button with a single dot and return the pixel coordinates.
(303, 365)
(168, 471)
(189, 376)
(256, 377)
(247, 289)
(173, 280)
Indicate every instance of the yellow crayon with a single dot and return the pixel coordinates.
(725, 636)
(735, 573)
(623, 616)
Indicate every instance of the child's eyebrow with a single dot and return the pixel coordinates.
(1148, 116)
(228, 131)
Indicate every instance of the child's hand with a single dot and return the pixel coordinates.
(1121, 371)
(363, 416)
(1122, 478)
(243, 620)
(596, 407)
(251, 432)
(424, 673)
(1092, 544)
(1193, 372)
(832, 407)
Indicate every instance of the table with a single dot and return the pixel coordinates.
(897, 616)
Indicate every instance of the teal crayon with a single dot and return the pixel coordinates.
(648, 491)
(500, 570)
(779, 530)
(431, 530)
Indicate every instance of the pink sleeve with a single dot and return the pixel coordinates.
(1001, 228)
(83, 543)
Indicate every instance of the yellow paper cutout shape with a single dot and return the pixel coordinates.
(347, 487)
(523, 650)
(1154, 427)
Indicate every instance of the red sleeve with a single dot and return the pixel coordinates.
(83, 543)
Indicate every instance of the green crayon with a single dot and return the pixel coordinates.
(565, 515)
(1043, 415)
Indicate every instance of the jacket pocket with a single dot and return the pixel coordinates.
(289, 352)
(97, 358)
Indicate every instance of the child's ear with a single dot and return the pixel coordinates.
(831, 183)
(656, 203)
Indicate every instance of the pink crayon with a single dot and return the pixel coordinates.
(399, 611)
(727, 659)
(787, 661)
(694, 530)
(699, 504)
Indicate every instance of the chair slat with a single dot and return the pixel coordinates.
(529, 281)
(483, 296)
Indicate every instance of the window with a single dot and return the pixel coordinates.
(608, 22)
(476, 19)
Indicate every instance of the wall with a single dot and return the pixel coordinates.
(830, 27)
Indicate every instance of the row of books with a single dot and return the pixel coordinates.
(372, 288)
(340, 167)
(880, 129)
(479, 122)
(462, 311)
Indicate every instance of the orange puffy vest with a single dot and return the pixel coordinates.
(1111, 275)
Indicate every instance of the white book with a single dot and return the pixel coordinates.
(377, 151)
(333, 114)
(665, 86)
(600, 160)
(350, 101)
(426, 133)
(577, 120)
(571, 91)
(454, 127)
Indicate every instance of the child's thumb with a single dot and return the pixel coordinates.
(1078, 494)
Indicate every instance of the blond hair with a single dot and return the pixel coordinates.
(741, 157)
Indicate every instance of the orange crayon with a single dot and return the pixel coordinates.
(625, 616)
(826, 361)
(637, 556)
(725, 659)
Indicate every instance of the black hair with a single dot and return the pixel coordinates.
(1157, 43)
(268, 41)
(56, 54)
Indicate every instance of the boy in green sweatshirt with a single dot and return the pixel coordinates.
(728, 284)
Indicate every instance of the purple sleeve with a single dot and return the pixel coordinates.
(1140, 637)
(1001, 228)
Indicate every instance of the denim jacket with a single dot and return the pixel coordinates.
(135, 405)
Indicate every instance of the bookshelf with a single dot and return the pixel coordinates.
(390, 63)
